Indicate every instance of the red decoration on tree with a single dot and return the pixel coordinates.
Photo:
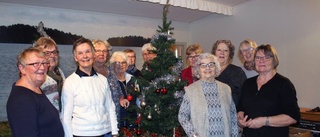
(138, 132)
(158, 90)
(129, 97)
(139, 120)
(164, 90)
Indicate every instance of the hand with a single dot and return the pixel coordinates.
(124, 103)
(242, 120)
(257, 122)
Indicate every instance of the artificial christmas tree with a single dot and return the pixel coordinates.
(159, 90)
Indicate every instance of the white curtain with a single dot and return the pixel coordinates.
(197, 5)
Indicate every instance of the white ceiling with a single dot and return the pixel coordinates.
(128, 7)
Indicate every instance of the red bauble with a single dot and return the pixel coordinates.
(129, 97)
(164, 91)
(158, 90)
(138, 132)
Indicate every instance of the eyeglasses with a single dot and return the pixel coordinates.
(37, 65)
(204, 65)
(246, 50)
(103, 51)
(131, 56)
(193, 57)
(266, 58)
(120, 63)
(48, 53)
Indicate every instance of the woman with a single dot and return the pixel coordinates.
(192, 53)
(119, 60)
(229, 74)
(53, 84)
(87, 106)
(29, 111)
(207, 109)
(246, 51)
(102, 49)
(268, 103)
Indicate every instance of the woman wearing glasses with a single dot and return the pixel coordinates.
(268, 103)
(192, 53)
(53, 84)
(29, 111)
(87, 106)
(207, 109)
(120, 61)
(229, 74)
(246, 52)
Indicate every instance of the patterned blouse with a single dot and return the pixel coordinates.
(216, 126)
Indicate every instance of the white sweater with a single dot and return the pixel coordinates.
(87, 106)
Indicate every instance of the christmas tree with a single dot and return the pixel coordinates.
(159, 91)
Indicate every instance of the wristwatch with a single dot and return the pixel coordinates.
(267, 121)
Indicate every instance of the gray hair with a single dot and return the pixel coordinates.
(204, 56)
(121, 54)
(147, 46)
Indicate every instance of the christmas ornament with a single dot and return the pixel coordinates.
(158, 90)
(156, 108)
(149, 117)
(164, 90)
(138, 132)
(136, 89)
(129, 97)
(143, 104)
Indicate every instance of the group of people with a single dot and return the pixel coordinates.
(90, 102)
(220, 98)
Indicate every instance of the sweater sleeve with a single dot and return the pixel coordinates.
(22, 116)
(185, 118)
(67, 108)
(112, 111)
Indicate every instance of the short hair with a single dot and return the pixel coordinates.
(247, 42)
(129, 51)
(148, 46)
(81, 41)
(23, 55)
(45, 42)
(196, 48)
(268, 50)
(96, 42)
(204, 56)
(119, 53)
(229, 45)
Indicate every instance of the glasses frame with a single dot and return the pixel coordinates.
(206, 65)
(246, 50)
(102, 51)
(37, 65)
(265, 58)
(117, 63)
(48, 53)
(192, 57)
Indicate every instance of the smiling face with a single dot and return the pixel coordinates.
(120, 65)
(207, 69)
(192, 58)
(34, 74)
(83, 55)
(223, 53)
(247, 52)
(263, 63)
(101, 53)
(52, 55)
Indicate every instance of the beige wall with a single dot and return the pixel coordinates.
(291, 26)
